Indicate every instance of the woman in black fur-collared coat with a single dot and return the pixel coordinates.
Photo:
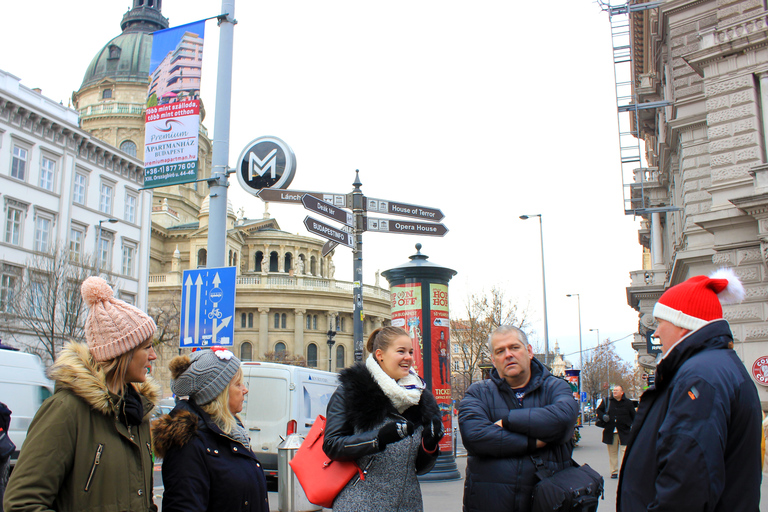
(383, 417)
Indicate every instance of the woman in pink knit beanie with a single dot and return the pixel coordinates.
(92, 436)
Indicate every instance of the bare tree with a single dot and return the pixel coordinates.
(483, 313)
(285, 357)
(47, 307)
(165, 310)
(603, 368)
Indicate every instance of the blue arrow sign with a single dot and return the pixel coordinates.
(207, 307)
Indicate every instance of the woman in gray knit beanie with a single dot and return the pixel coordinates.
(207, 459)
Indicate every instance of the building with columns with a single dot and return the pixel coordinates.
(700, 79)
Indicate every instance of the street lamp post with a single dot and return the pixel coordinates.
(98, 243)
(581, 357)
(330, 342)
(600, 387)
(544, 288)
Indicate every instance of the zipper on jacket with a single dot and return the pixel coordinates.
(363, 471)
(96, 461)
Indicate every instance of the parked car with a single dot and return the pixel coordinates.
(23, 387)
(165, 406)
(282, 400)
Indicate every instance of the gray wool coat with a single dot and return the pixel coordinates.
(355, 413)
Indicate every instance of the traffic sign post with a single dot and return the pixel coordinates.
(207, 307)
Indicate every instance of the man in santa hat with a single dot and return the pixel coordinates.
(695, 441)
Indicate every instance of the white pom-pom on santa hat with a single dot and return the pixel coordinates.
(734, 292)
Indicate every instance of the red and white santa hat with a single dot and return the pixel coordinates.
(693, 303)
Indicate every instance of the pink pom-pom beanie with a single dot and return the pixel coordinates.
(113, 327)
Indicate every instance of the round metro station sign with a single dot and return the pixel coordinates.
(266, 162)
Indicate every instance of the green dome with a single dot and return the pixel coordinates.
(124, 58)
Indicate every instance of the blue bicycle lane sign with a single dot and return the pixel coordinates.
(207, 307)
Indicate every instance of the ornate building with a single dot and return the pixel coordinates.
(702, 69)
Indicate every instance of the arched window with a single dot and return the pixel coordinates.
(250, 320)
(312, 355)
(106, 94)
(128, 147)
(257, 261)
(202, 258)
(313, 266)
(246, 351)
(280, 347)
(288, 263)
(282, 321)
(314, 322)
(234, 260)
(340, 357)
(338, 323)
(273, 262)
(229, 259)
(277, 320)
(242, 320)
(309, 322)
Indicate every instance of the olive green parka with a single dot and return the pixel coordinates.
(77, 455)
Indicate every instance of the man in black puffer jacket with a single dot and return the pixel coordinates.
(695, 442)
(615, 416)
(521, 410)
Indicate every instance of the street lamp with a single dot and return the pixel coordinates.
(330, 342)
(581, 358)
(98, 243)
(544, 288)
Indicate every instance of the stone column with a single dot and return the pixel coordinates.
(281, 259)
(298, 331)
(657, 252)
(265, 260)
(263, 331)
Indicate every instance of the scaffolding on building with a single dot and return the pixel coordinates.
(636, 176)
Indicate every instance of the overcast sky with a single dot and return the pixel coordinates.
(487, 110)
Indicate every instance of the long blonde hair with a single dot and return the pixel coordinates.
(218, 409)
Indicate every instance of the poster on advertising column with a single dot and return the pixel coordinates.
(406, 313)
(173, 106)
(439, 324)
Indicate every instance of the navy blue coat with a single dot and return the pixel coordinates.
(695, 442)
(203, 469)
(500, 472)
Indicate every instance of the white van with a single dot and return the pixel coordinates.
(23, 387)
(282, 400)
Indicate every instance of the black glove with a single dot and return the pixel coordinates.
(606, 418)
(433, 433)
(394, 432)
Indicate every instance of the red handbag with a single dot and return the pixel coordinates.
(321, 478)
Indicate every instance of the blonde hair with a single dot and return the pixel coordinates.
(115, 370)
(218, 409)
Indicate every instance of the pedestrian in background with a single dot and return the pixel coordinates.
(88, 447)
(208, 464)
(521, 411)
(695, 444)
(6, 449)
(615, 414)
(383, 417)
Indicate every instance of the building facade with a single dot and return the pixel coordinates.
(64, 188)
(702, 65)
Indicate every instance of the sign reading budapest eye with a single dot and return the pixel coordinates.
(173, 106)
(266, 162)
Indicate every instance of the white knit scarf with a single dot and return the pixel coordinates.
(396, 391)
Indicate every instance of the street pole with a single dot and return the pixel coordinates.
(331, 333)
(543, 287)
(98, 244)
(581, 357)
(358, 210)
(218, 182)
(600, 385)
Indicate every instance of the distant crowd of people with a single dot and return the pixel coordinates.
(693, 444)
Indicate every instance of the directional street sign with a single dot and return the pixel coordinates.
(406, 227)
(402, 209)
(329, 232)
(294, 196)
(314, 204)
(207, 307)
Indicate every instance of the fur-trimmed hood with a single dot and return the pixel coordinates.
(75, 370)
(368, 406)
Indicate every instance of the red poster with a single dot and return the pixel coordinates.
(439, 324)
(406, 313)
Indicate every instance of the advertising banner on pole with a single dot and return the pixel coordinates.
(406, 313)
(173, 106)
(439, 324)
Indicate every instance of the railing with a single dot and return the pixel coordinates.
(112, 108)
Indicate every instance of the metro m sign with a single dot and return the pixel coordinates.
(266, 162)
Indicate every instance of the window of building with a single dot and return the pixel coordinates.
(309, 322)
(129, 256)
(273, 262)
(19, 163)
(130, 298)
(338, 323)
(288, 262)
(242, 321)
(105, 198)
(104, 250)
(78, 193)
(130, 207)
(277, 320)
(312, 355)
(43, 224)
(47, 174)
(9, 280)
(76, 237)
(250, 320)
(106, 94)
(38, 296)
(342, 324)
(314, 322)
(128, 147)
(246, 351)
(279, 347)
(14, 220)
(340, 363)
(282, 320)
(455, 365)
(202, 258)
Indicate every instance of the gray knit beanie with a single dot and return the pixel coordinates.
(204, 374)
